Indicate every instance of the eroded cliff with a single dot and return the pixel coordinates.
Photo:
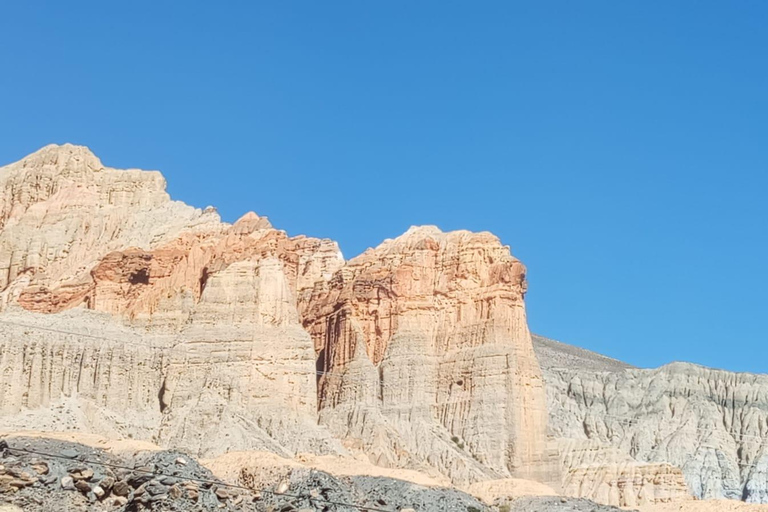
(136, 315)
(709, 425)
(126, 314)
(162, 322)
(424, 347)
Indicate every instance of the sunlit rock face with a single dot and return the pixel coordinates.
(617, 421)
(426, 356)
(167, 324)
(422, 345)
(61, 211)
(127, 314)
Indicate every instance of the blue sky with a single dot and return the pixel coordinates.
(619, 148)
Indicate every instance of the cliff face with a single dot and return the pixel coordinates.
(126, 314)
(169, 325)
(202, 335)
(426, 336)
(711, 424)
(61, 210)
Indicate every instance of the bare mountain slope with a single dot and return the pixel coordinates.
(555, 354)
(126, 314)
(622, 430)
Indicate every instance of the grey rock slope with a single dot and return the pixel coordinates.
(555, 354)
(90, 479)
(711, 424)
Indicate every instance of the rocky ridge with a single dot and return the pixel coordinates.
(142, 316)
(631, 436)
(127, 314)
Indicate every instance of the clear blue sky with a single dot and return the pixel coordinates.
(620, 148)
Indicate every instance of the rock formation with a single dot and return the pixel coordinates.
(424, 346)
(126, 314)
(710, 425)
(205, 330)
(184, 329)
(61, 210)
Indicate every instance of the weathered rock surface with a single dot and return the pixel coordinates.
(61, 210)
(127, 314)
(207, 390)
(711, 424)
(243, 369)
(424, 350)
(173, 481)
(78, 477)
(705, 506)
(607, 475)
(426, 356)
(201, 348)
(552, 504)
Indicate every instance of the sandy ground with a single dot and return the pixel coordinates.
(229, 466)
(489, 490)
(92, 440)
(705, 506)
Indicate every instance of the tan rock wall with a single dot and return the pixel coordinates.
(711, 424)
(600, 472)
(61, 210)
(442, 316)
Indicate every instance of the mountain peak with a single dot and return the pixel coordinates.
(63, 157)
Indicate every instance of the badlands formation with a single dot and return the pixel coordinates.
(127, 315)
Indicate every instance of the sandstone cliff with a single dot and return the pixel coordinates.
(184, 329)
(126, 314)
(425, 353)
(61, 210)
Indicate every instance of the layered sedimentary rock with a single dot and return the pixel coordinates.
(711, 424)
(607, 475)
(61, 210)
(192, 339)
(78, 372)
(422, 343)
(126, 314)
(426, 356)
(243, 370)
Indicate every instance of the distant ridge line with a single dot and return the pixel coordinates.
(553, 354)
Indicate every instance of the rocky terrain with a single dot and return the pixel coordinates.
(425, 354)
(630, 436)
(49, 475)
(131, 316)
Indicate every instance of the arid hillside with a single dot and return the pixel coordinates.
(128, 315)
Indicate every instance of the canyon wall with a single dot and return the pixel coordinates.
(710, 426)
(426, 336)
(129, 314)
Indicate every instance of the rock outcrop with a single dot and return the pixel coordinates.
(170, 325)
(61, 211)
(711, 425)
(126, 314)
(204, 336)
(426, 355)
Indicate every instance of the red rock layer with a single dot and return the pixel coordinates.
(457, 300)
(135, 281)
